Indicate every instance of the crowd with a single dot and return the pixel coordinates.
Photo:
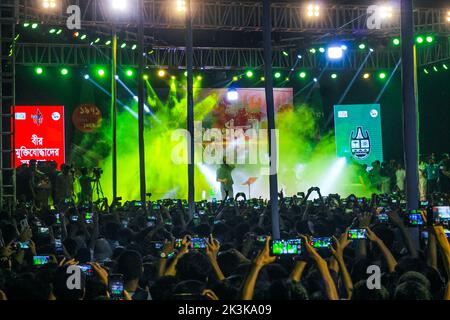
(157, 251)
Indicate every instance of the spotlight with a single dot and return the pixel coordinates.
(263, 78)
(335, 53)
(302, 75)
(382, 75)
(101, 72)
(76, 34)
(185, 73)
(277, 75)
(26, 24)
(249, 74)
(313, 10)
(362, 46)
(366, 76)
(34, 25)
(59, 31)
(426, 71)
(86, 76)
(429, 39)
(333, 76)
(134, 47)
(123, 45)
(129, 73)
(173, 77)
(235, 78)
(119, 4)
(396, 41)
(49, 4)
(445, 66)
(435, 69)
(344, 47)
(39, 70)
(52, 31)
(312, 50)
(145, 77)
(321, 50)
(299, 56)
(97, 40)
(181, 5)
(371, 50)
(285, 53)
(83, 37)
(161, 73)
(64, 71)
(419, 39)
(448, 16)
(232, 95)
(107, 43)
(386, 12)
(199, 78)
(315, 80)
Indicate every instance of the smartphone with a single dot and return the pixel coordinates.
(43, 231)
(198, 243)
(58, 218)
(414, 218)
(88, 217)
(59, 250)
(87, 269)
(116, 286)
(320, 242)
(23, 245)
(286, 247)
(441, 214)
(357, 234)
(41, 260)
(158, 245)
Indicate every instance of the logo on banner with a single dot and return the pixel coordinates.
(21, 116)
(56, 116)
(38, 118)
(360, 144)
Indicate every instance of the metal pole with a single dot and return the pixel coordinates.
(190, 107)
(273, 179)
(410, 113)
(141, 96)
(114, 114)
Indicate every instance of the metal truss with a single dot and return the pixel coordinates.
(241, 16)
(217, 58)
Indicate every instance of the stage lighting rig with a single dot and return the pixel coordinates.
(313, 10)
(49, 4)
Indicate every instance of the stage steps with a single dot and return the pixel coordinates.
(8, 188)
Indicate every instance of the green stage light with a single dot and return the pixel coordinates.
(173, 77)
(249, 74)
(235, 78)
(321, 50)
(287, 79)
(426, 71)
(185, 73)
(362, 46)
(382, 75)
(263, 78)
(83, 37)
(97, 40)
(285, 53)
(134, 47)
(199, 78)
(39, 70)
(34, 26)
(101, 72)
(59, 31)
(52, 31)
(419, 39)
(129, 73)
(26, 24)
(435, 69)
(302, 75)
(312, 50)
(145, 77)
(429, 39)
(123, 45)
(333, 76)
(445, 66)
(108, 42)
(64, 71)
(396, 41)
(277, 75)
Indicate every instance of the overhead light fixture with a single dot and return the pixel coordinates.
(119, 4)
(302, 75)
(313, 10)
(386, 12)
(49, 4)
(333, 76)
(181, 6)
(161, 73)
(366, 75)
(232, 95)
(335, 53)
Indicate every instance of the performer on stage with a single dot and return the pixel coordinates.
(226, 180)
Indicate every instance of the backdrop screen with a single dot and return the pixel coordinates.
(358, 132)
(39, 134)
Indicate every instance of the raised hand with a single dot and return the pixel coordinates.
(264, 258)
(212, 247)
(102, 273)
(364, 219)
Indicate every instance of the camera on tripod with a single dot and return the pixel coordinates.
(97, 172)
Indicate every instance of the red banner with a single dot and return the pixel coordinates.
(39, 134)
